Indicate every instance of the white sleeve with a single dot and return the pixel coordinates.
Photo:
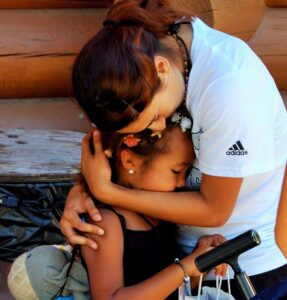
(237, 114)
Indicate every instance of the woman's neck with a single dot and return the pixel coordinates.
(186, 33)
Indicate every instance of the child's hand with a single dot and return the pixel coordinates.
(208, 242)
(220, 270)
(213, 240)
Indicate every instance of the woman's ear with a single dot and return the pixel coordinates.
(163, 67)
(129, 160)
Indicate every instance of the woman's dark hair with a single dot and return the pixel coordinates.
(114, 76)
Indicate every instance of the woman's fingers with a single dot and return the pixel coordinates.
(72, 226)
(86, 149)
(95, 168)
(76, 239)
(92, 210)
(97, 141)
(74, 232)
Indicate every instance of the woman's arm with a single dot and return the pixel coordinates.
(281, 222)
(211, 206)
(105, 268)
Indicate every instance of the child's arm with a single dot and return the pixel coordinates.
(105, 268)
(281, 222)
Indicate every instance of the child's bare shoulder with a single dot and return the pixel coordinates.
(109, 219)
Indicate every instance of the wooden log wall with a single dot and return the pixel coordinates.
(276, 3)
(270, 43)
(38, 46)
(54, 4)
(240, 18)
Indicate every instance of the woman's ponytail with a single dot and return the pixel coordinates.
(154, 16)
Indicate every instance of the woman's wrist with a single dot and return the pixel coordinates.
(107, 193)
(78, 187)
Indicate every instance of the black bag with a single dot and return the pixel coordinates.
(30, 215)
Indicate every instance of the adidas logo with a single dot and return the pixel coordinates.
(237, 149)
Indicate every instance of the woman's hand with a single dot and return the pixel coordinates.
(95, 167)
(79, 202)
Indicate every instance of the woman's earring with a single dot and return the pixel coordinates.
(131, 171)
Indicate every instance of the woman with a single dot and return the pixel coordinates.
(134, 74)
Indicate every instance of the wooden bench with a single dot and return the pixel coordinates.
(37, 169)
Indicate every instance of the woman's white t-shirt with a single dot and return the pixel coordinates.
(239, 130)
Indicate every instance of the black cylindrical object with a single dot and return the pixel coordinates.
(228, 252)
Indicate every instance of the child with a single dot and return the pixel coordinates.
(135, 256)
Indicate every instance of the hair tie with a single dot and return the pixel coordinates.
(125, 22)
(112, 23)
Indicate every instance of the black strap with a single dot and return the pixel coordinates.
(147, 220)
(74, 253)
(174, 29)
(124, 22)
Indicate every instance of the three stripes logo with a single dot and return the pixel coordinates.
(237, 149)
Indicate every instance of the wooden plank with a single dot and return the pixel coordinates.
(240, 18)
(39, 155)
(54, 4)
(276, 3)
(270, 43)
(43, 113)
(38, 48)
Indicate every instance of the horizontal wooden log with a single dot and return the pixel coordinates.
(270, 43)
(38, 48)
(240, 18)
(49, 113)
(39, 155)
(43, 113)
(54, 4)
(276, 3)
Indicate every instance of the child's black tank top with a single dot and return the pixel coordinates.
(146, 252)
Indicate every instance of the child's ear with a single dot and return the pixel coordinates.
(129, 160)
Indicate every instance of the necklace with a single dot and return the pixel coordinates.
(173, 32)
